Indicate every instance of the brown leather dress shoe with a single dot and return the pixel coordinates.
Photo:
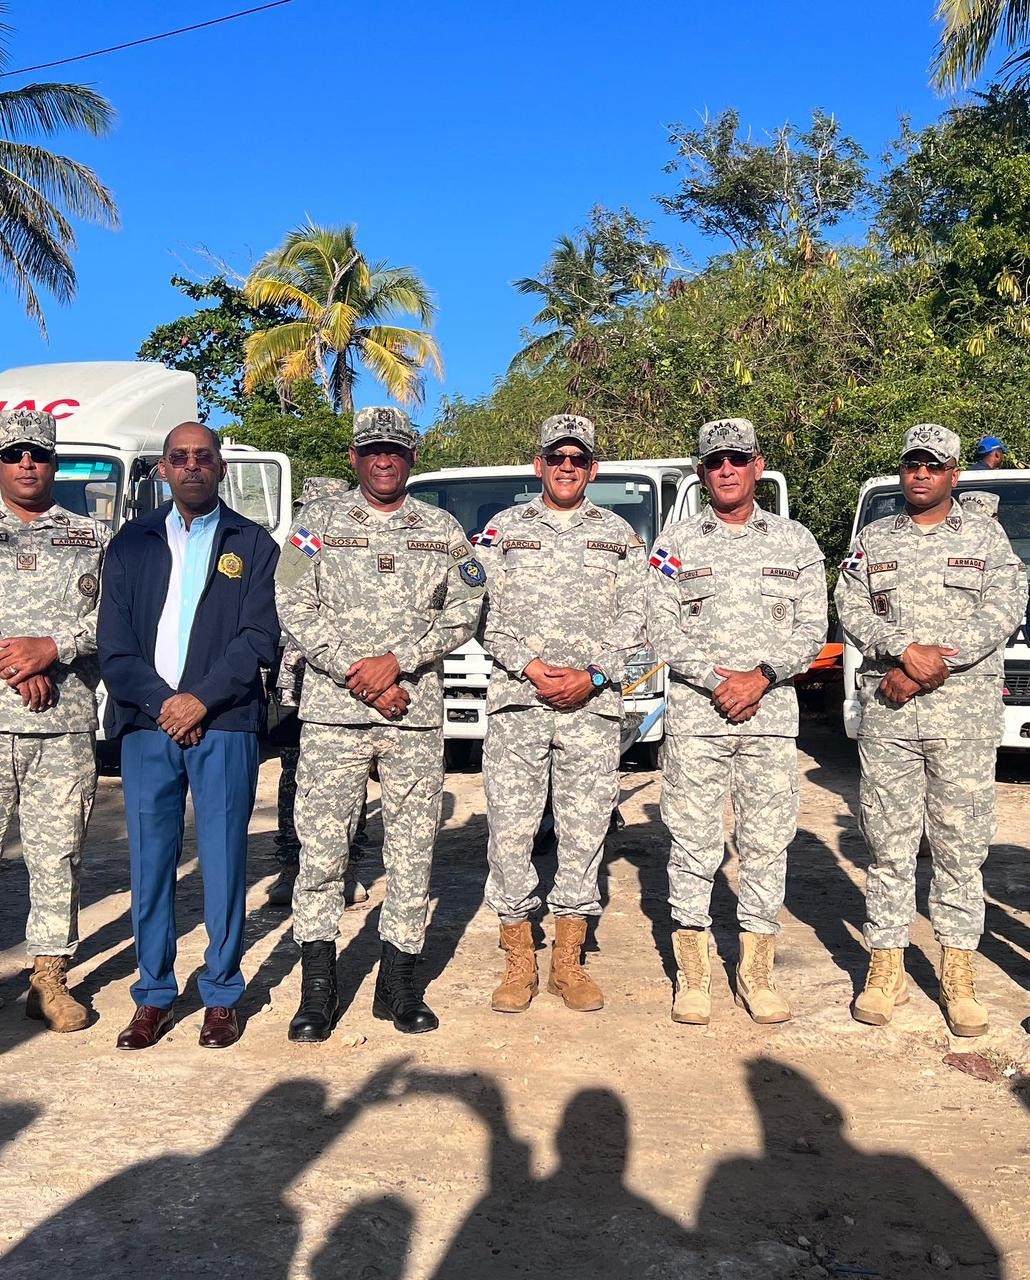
(221, 1028)
(148, 1025)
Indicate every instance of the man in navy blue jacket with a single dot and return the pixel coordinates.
(187, 621)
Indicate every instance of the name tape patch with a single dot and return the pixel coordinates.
(687, 574)
(425, 544)
(774, 572)
(885, 566)
(616, 548)
(965, 562)
(520, 544)
(74, 540)
(329, 541)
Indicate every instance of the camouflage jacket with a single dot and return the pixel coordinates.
(568, 593)
(958, 584)
(350, 585)
(51, 583)
(725, 595)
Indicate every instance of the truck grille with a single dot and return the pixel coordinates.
(1017, 684)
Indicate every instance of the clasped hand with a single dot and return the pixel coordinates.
(922, 669)
(180, 718)
(373, 681)
(564, 688)
(740, 694)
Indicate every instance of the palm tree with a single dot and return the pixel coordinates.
(971, 30)
(339, 304)
(41, 191)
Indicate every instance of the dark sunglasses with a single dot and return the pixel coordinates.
(15, 453)
(201, 457)
(912, 465)
(714, 461)
(579, 460)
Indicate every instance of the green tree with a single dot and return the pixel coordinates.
(338, 307)
(786, 191)
(210, 341)
(313, 436)
(971, 29)
(41, 191)
(589, 277)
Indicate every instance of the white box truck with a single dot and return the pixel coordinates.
(647, 493)
(112, 418)
(882, 497)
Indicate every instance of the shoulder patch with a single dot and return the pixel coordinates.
(461, 551)
(304, 540)
(472, 573)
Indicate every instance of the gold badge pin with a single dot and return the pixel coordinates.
(231, 565)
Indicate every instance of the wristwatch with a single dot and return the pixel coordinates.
(768, 672)
(597, 676)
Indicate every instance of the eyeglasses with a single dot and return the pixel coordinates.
(201, 457)
(579, 460)
(912, 465)
(15, 452)
(714, 461)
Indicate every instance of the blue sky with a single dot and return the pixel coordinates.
(461, 139)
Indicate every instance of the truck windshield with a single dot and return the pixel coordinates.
(89, 486)
(475, 500)
(1013, 507)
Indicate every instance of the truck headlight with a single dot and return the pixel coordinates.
(637, 667)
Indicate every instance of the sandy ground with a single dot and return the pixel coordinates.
(548, 1144)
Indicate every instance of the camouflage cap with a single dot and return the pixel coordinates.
(28, 426)
(736, 434)
(380, 424)
(983, 504)
(323, 487)
(929, 437)
(567, 426)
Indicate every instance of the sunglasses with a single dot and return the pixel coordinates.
(714, 461)
(912, 465)
(579, 460)
(15, 452)
(201, 457)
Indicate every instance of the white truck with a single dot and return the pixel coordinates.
(647, 493)
(112, 418)
(882, 497)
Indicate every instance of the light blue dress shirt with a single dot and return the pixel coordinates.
(191, 558)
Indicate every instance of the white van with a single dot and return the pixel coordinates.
(647, 493)
(882, 497)
(112, 418)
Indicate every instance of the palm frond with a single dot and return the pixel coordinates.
(59, 180)
(393, 368)
(272, 290)
(420, 347)
(48, 108)
(540, 349)
(267, 350)
(971, 28)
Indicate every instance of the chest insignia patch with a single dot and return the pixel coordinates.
(761, 525)
(592, 515)
(694, 608)
(27, 560)
(412, 518)
(3, 537)
(385, 564)
(358, 514)
(900, 522)
(88, 585)
(954, 522)
(881, 604)
(707, 527)
(459, 553)
(472, 573)
(965, 562)
(530, 513)
(231, 565)
(328, 541)
(520, 544)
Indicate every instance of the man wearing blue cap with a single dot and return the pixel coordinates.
(990, 454)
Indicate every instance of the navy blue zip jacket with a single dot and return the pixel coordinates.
(235, 631)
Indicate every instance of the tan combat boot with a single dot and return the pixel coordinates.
(49, 998)
(886, 986)
(756, 991)
(965, 1015)
(568, 978)
(520, 982)
(693, 1001)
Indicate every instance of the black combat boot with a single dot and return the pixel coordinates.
(319, 1003)
(396, 999)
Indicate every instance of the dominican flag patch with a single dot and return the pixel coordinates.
(664, 562)
(854, 561)
(488, 537)
(307, 542)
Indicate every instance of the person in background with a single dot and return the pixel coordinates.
(990, 454)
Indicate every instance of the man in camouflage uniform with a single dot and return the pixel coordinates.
(737, 608)
(288, 687)
(374, 588)
(929, 597)
(51, 561)
(565, 610)
(977, 502)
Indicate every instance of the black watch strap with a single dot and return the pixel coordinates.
(768, 672)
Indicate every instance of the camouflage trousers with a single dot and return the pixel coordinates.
(577, 752)
(761, 774)
(287, 845)
(331, 776)
(951, 783)
(51, 779)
